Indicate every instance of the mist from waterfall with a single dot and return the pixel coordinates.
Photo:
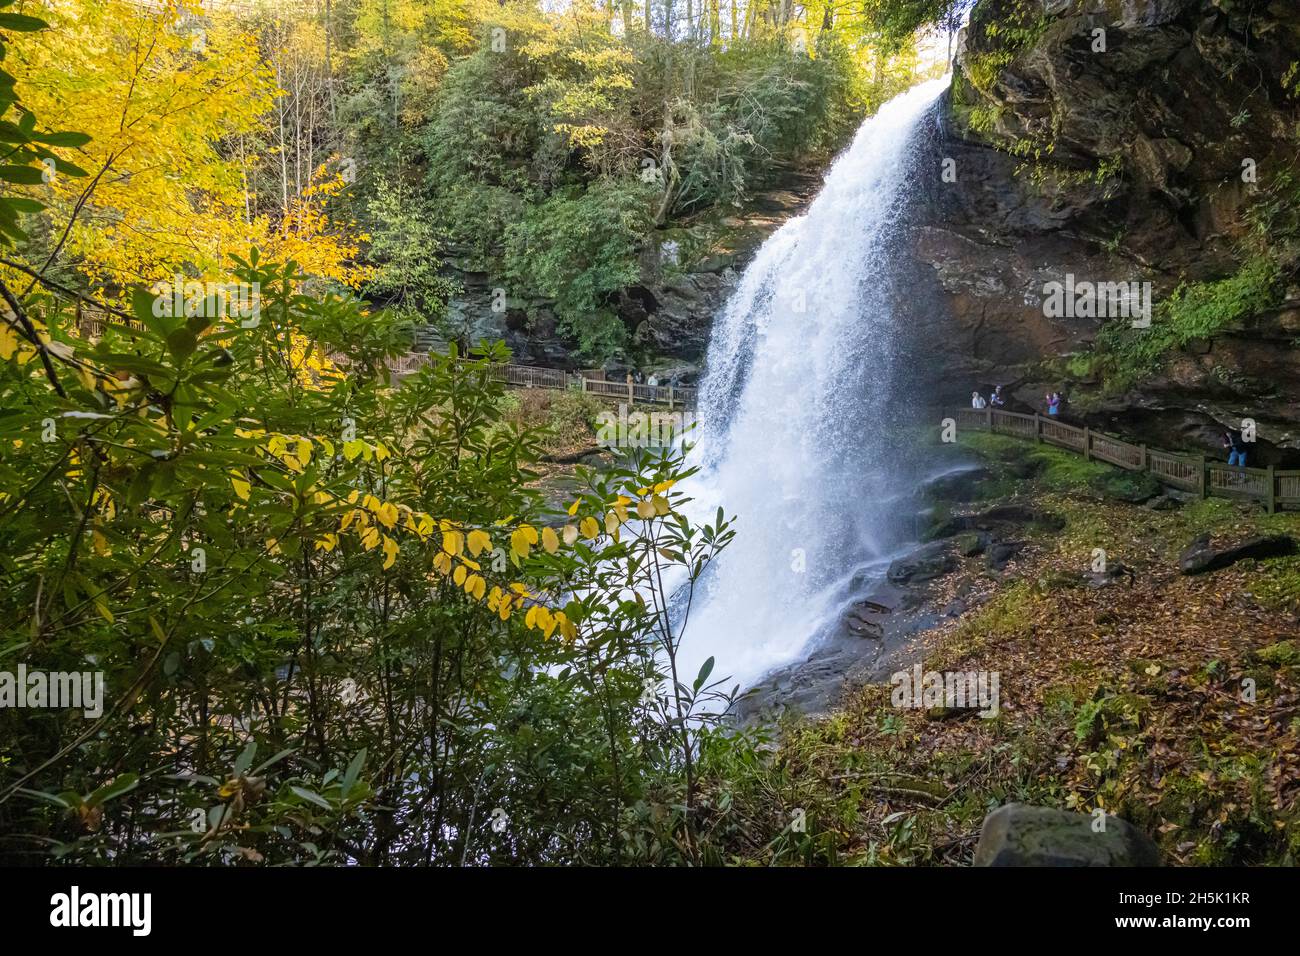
(795, 411)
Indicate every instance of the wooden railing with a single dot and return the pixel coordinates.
(1274, 489)
(92, 323)
(529, 376)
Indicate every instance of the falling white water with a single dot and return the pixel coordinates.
(794, 411)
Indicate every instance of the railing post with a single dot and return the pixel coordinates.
(1144, 456)
(1272, 490)
(670, 398)
(1087, 443)
(1205, 478)
(988, 419)
(1038, 429)
(584, 382)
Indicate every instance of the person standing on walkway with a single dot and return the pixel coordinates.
(1235, 446)
(1054, 404)
(977, 400)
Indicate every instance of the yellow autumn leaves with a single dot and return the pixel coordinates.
(159, 117)
(9, 343)
(310, 365)
(652, 504)
(479, 541)
(371, 519)
(465, 574)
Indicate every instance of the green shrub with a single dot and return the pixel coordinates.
(572, 413)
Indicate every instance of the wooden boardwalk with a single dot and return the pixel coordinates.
(1272, 488)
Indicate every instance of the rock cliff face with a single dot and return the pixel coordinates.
(1110, 141)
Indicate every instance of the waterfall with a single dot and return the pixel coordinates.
(797, 409)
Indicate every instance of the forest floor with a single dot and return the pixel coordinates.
(1171, 700)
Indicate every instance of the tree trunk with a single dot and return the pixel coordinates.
(329, 62)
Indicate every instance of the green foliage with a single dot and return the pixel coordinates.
(1008, 613)
(1194, 311)
(1279, 585)
(548, 164)
(573, 413)
(757, 108)
(243, 541)
(984, 118)
(1281, 654)
(891, 23)
(1018, 28)
(403, 244)
(1058, 470)
(579, 249)
(335, 621)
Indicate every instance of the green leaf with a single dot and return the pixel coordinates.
(311, 797)
(263, 767)
(124, 783)
(245, 759)
(59, 801)
(354, 770)
(138, 490)
(705, 670)
(21, 23)
(68, 138)
(22, 175)
(182, 342)
(69, 169)
(9, 133)
(151, 311)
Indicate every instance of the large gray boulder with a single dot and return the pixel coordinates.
(1020, 835)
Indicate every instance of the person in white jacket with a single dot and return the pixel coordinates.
(977, 400)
